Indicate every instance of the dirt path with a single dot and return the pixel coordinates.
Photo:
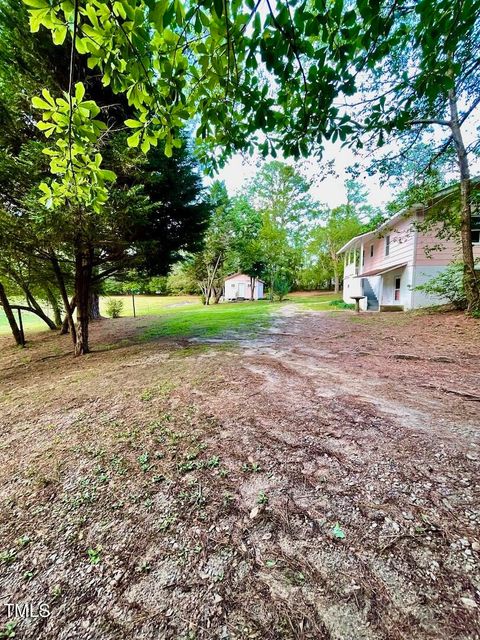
(318, 482)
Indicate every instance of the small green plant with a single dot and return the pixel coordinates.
(166, 523)
(56, 591)
(8, 630)
(29, 575)
(8, 556)
(144, 567)
(94, 555)
(340, 304)
(270, 563)
(262, 498)
(254, 467)
(213, 462)
(23, 541)
(114, 308)
(144, 461)
(338, 532)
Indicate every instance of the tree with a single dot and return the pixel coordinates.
(426, 87)
(338, 226)
(156, 208)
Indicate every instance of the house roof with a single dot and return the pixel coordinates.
(403, 214)
(378, 272)
(406, 213)
(239, 273)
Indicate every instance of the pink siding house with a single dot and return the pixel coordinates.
(239, 286)
(385, 265)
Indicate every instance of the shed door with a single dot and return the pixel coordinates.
(241, 290)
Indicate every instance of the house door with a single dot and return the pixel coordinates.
(396, 294)
(241, 290)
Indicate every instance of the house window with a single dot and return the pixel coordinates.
(387, 245)
(397, 289)
(371, 251)
(476, 229)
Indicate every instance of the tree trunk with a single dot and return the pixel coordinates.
(10, 317)
(68, 323)
(252, 288)
(94, 306)
(39, 311)
(470, 280)
(83, 277)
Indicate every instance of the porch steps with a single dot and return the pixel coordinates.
(372, 301)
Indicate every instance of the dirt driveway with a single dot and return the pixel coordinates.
(318, 482)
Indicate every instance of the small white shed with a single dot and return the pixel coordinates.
(238, 286)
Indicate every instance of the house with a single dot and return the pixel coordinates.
(239, 286)
(385, 265)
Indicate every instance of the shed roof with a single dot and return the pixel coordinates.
(239, 273)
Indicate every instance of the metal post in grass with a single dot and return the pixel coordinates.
(133, 304)
(20, 324)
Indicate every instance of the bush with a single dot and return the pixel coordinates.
(281, 287)
(448, 284)
(340, 304)
(114, 308)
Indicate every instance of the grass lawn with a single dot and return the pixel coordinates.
(186, 316)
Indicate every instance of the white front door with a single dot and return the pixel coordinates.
(241, 290)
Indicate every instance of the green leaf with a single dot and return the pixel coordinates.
(133, 124)
(134, 139)
(108, 175)
(59, 34)
(218, 4)
(338, 532)
(79, 91)
(38, 103)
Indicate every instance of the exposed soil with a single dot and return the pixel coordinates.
(320, 482)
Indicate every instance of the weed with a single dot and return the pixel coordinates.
(29, 575)
(144, 460)
(262, 498)
(8, 556)
(23, 541)
(271, 563)
(94, 555)
(147, 395)
(227, 499)
(56, 591)
(8, 630)
(213, 462)
(223, 473)
(254, 467)
(295, 578)
(338, 532)
(144, 567)
(118, 465)
(167, 522)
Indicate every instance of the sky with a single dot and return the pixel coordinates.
(326, 188)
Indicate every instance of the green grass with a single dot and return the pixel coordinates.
(314, 301)
(145, 305)
(207, 322)
(149, 305)
(185, 316)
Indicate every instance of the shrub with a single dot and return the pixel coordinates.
(448, 284)
(114, 308)
(281, 287)
(340, 304)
